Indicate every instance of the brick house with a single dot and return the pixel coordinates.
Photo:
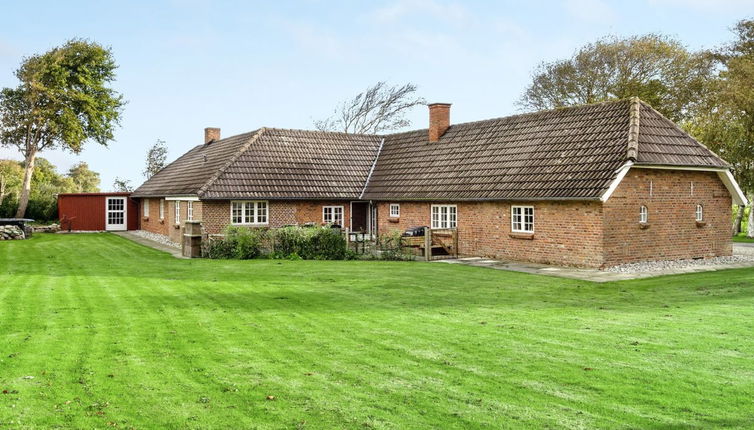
(594, 185)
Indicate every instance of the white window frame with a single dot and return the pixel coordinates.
(450, 213)
(519, 222)
(189, 211)
(643, 214)
(145, 207)
(252, 212)
(177, 212)
(162, 208)
(395, 210)
(699, 213)
(333, 217)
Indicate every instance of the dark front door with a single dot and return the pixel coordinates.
(359, 216)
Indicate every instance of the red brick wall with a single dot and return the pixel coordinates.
(153, 223)
(672, 232)
(281, 212)
(167, 226)
(565, 233)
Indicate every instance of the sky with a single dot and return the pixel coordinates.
(189, 64)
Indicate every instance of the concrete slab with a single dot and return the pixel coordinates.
(175, 252)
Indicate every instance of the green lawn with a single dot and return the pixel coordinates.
(741, 237)
(96, 331)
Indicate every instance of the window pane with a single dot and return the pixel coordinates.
(262, 212)
(237, 213)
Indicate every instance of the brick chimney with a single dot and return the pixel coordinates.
(439, 120)
(211, 134)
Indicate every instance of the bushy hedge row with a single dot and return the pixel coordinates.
(300, 243)
(308, 243)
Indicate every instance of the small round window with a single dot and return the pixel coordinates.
(643, 214)
(699, 213)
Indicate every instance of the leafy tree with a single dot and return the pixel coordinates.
(122, 185)
(63, 100)
(379, 108)
(156, 157)
(726, 120)
(85, 179)
(10, 179)
(658, 69)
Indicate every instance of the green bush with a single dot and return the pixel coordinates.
(313, 243)
(220, 249)
(390, 247)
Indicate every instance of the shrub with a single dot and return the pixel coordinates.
(220, 248)
(313, 243)
(390, 247)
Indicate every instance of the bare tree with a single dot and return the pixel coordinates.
(379, 108)
(122, 185)
(156, 157)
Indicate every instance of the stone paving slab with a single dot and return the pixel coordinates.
(175, 252)
(595, 275)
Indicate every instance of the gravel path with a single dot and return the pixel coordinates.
(159, 238)
(657, 266)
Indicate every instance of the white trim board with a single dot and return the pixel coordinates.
(618, 178)
(183, 199)
(724, 174)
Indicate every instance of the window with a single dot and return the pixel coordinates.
(522, 219)
(248, 212)
(162, 208)
(177, 212)
(332, 215)
(145, 206)
(190, 211)
(643, 214)
(395, 210)
(699, 213)
(444, 216)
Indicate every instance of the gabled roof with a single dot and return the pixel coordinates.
(271, 164)
(568, 153)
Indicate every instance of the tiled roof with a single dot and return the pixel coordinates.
(568, 153)
(662, 142)
(193, 169)
(294, 164)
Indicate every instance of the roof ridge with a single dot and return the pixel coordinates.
(647, 105)
(203, 189)
(341, 133)
(634, 122)
(519, 115)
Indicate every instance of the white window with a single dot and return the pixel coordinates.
(643, 214)
(190, 210)
(699, 213)
(146, 207)
(395, 210)
(253, 212)
(332, 215)
(522, 219)
(177, 212)
(162, 208)
(444, 216)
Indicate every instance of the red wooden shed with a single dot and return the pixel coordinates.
(98, 212)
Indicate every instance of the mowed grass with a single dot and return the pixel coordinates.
(99, 332)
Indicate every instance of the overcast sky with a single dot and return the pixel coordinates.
(186, 65)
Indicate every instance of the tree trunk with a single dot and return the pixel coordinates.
(23, 199)
(2, 190)
(739, 219)
(750, 227)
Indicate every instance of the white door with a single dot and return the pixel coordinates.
(115, 213)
